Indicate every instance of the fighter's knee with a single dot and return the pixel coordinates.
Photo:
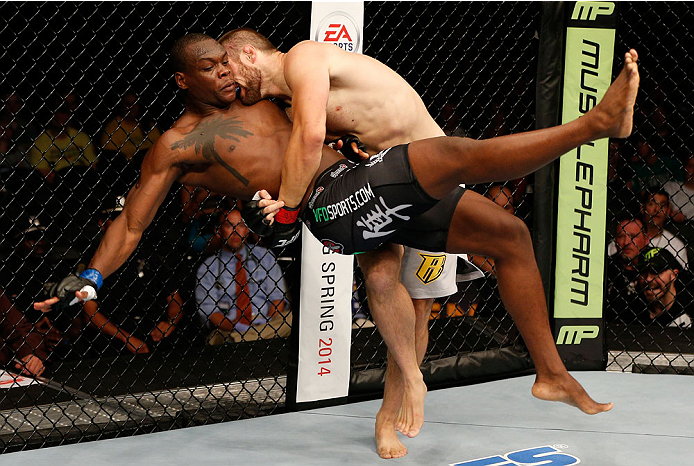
(514, 237)
(519, 230)
(381, 277)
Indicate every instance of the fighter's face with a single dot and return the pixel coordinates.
(208, 75)
(248, 78)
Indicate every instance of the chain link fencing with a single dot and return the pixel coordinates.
(98, 72)
(648, 311)
(456, 57)
(86, 91)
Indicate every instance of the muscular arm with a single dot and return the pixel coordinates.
(123, 236)
(308, 77)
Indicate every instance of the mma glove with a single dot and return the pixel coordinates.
(90, 280)
(254, 218)
(347, 149)
(286, 228)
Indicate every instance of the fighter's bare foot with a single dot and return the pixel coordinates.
(567, 390)
(388, 444)
(615, 113)
(411, 415)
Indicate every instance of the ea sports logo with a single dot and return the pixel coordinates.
(340, 29)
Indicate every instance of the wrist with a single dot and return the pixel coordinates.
(287, 215)
(93, 275)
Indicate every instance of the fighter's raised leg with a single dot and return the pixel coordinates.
(440, 164)
(480, 226)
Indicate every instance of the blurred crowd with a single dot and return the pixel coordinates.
(200, 277)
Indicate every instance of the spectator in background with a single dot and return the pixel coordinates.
(126, 133)
(667, 289)
(61, 146)
(21, 346)
(622, 300)
(201, 210)
(682, 194)
(72, 102)
(35, 261)
(655, 210)
(124, 142)
(140, 305)
(16, 133)
(240, 292)
(652, 170)
(32, 263)
(621, 199)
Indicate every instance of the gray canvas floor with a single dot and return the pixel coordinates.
(651, 424)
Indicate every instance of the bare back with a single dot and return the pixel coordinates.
(235, 151)
(369, 100)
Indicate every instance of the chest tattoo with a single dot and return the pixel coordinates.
(204, 135)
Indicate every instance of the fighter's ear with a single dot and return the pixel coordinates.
(250, 53)
(180, 80)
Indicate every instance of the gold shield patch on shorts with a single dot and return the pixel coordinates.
(431, 267)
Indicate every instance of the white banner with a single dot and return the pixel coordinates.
(325, 322)
(339, 23)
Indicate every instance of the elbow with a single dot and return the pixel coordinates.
(311, 150)
(133, 227)
(311, 138)
(314, 140)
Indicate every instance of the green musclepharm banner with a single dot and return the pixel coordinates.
(582, 198)
(582, 201)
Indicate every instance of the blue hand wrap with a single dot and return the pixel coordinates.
(93, 275)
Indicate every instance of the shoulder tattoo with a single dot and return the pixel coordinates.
(206, 132)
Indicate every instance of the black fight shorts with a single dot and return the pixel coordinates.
(356, 207)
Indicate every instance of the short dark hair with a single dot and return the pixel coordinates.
(237, 38)
(652, 191)
(179, 51)
(627, 217)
